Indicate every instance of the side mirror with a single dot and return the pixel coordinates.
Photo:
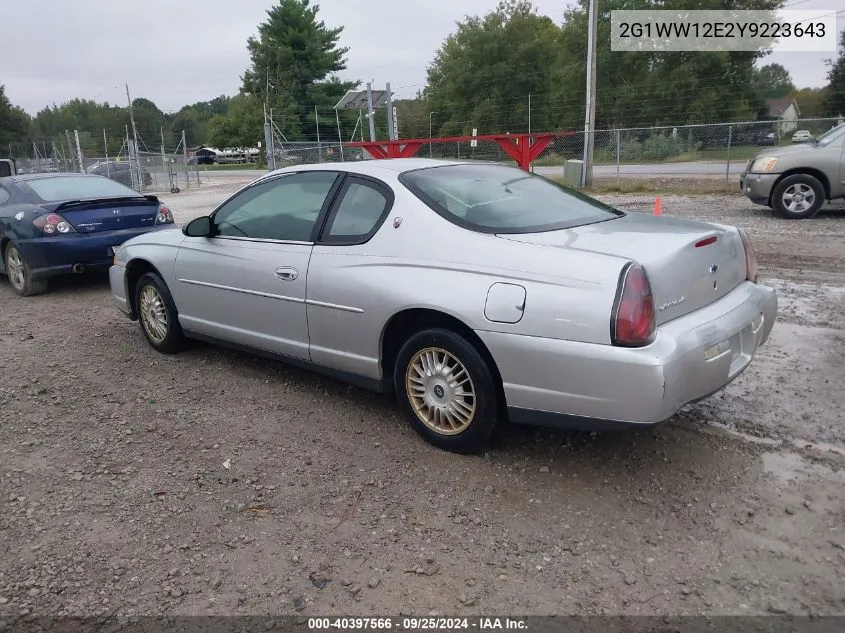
(198, 227)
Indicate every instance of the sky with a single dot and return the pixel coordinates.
(177, 52)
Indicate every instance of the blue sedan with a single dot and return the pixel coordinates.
(55, 224)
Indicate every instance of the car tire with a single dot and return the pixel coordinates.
(157, 315)
(810, 190)
(457, 418)
(19, 275)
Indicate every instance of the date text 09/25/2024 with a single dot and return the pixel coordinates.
(417, 624)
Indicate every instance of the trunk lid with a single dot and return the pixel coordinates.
(687, 268)
(92, 216)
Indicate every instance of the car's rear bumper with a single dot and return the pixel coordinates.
(555, 382)
(757, 187)
(57, 254)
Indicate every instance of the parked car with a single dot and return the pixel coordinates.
(54, 224)
(476, 292)
(796, 180)
(802, 136)
(120, 172)
(7, 167)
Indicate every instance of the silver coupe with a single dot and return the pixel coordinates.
(476, 292)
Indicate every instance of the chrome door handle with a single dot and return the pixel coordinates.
(287, 273)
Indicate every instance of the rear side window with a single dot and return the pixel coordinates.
(501, 199)
(359, 213)
(78, 188)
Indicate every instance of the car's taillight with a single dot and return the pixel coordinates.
(633, 323)
(751, 273)
(164, 216)
(53, 224)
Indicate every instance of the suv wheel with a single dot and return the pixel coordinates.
(798, 196)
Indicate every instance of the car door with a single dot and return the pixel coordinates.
(344, 286)
(246, 284)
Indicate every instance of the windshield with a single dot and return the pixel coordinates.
(69, 187)
(500, 199)
(831, 135)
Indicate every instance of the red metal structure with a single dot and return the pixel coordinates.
(523, 148)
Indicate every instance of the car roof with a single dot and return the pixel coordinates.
(375, 167)
(41, 176)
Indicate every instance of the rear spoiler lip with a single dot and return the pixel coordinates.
(58, 206)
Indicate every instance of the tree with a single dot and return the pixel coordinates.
(773, 81)
(834, 101)
(291, 59)
(241, 126)
(810, 102)
(14, 121)
(483, 73)
(655, 87)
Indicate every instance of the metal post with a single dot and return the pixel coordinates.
(370, 112)
(430, 114)
(590, 117)
(728, 166)
(185, 156)
(390, 130)
(618, 147)
(106, 147)
(339, 137)
(529, 113)
(319, 147)
(36, 156)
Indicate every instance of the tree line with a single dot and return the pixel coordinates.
(499, 72)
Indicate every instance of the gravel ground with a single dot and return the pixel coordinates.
(217, 483)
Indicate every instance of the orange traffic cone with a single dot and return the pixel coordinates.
(658, 206)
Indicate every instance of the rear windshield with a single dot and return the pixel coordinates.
(62, 188)
(501, 199)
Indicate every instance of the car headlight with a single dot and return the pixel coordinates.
(764, 164)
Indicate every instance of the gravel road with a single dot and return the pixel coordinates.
(213, 482)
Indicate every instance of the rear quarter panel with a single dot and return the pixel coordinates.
(427, 262)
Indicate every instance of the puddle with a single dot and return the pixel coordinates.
(752, 439)
(788, 467)
(784, 467)
(818, 446)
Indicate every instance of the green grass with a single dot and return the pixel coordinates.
(224, 167)
(662, 186)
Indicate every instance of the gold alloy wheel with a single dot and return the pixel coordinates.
(440, 391)
(152, 313)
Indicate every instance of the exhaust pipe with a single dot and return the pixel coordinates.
(78, 267)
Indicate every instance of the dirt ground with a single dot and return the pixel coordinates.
(213, 482)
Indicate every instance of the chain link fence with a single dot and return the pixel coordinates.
(144, 171)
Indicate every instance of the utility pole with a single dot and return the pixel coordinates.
(319, 146)
(590, 118)
(390, 130)
(106, 146)
(137, 168)
(70, 150)
(370, 111)
(185, 157)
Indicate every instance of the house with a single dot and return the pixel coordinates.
(785, 111)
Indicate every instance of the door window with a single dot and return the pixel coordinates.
(283, 208)
(4, 195)
(359, 213)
